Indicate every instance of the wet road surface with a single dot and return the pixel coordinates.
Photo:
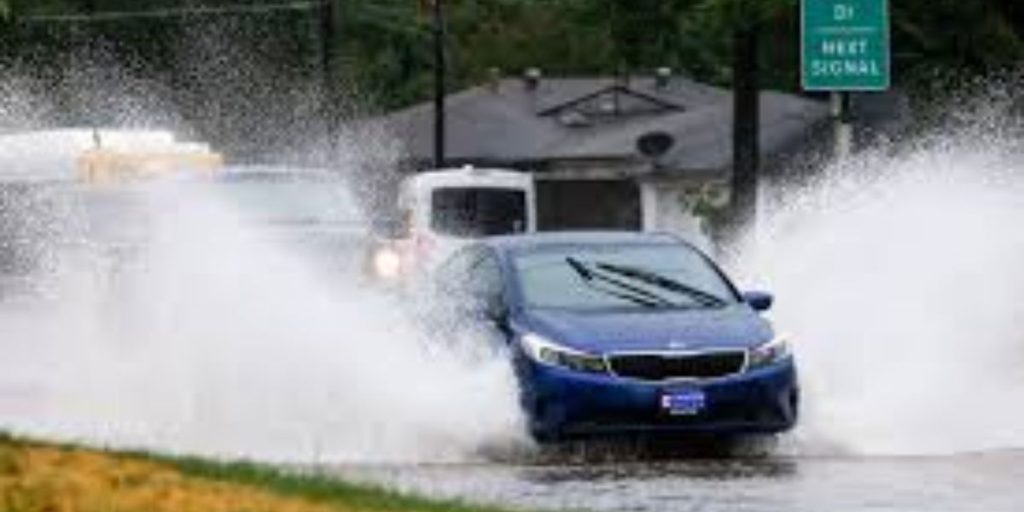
(985, 482)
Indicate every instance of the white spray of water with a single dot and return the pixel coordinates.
(218, 340)
(899, 276)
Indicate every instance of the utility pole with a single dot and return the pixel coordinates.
(745, 127)
(328, 35)
(440, 72)
(89, 35)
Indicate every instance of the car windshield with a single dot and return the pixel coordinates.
(477, 212)
(616, 276)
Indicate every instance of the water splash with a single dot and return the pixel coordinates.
(899, 275)
(214, 339)
(219, 341)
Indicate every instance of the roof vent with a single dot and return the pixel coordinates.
(531, 77)
(662, 76)
(654, 145)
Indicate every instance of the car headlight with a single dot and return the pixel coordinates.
(768, 353)
(545, 351)
(387, 264)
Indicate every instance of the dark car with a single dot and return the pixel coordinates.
(624, 333)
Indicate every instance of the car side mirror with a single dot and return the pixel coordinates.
(759, 301)
(494, 309)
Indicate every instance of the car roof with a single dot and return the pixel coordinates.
(532, 241)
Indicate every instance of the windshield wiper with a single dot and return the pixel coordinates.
(704, 298)
(624, 290)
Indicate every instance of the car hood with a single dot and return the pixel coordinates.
(734, 326)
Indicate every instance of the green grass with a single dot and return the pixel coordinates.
(318, 488)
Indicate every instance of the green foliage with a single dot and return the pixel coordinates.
(387, 48)
(727, 15)
(951, 36)
(691, 36)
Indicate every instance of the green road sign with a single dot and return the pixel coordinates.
(845, 45)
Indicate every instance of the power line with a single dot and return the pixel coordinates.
(302, 5)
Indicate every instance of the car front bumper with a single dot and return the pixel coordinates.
(565, 404)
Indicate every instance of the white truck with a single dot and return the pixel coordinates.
(440, 210)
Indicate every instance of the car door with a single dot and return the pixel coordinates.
(487, 288)
(450, 285)
(446, 305)
(468, 295)
(487, 310)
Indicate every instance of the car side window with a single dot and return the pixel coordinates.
(484, 278)
(453, 276)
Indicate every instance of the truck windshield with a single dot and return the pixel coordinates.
(477, 212)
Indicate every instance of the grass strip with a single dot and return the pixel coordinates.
(36, 476)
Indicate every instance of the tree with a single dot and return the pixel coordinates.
(385, 44)
(744, 19)
(971, 38)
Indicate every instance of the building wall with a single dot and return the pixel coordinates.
(666, 208)
(610, 195)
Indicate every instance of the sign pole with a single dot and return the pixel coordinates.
(842, 122)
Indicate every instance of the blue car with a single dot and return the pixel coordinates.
(624, 334)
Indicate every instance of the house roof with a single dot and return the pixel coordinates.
(598, 118)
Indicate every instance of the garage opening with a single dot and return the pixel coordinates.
(590, 204)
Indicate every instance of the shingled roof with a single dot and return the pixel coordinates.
(598, 118)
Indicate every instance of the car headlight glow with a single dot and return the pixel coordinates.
(768, 353)
(387, 264)
(544, 351)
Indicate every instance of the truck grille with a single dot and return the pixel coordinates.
(655, 367)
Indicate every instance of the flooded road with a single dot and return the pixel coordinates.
(985, 482)
(221, 340)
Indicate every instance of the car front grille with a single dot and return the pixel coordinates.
(656, 367)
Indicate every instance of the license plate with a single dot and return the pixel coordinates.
(683, 402)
